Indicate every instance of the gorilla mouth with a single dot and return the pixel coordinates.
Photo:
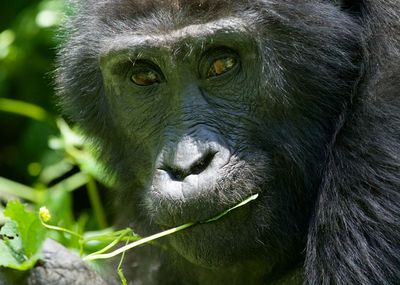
(201, 197)
(215, 214)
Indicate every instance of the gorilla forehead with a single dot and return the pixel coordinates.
(172, 14)
(139, 8)
(145, 17)
(181, 40)
(156, 22)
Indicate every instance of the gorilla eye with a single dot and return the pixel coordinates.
(221, 66)
(145, 77)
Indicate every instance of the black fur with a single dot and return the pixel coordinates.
(331, 129)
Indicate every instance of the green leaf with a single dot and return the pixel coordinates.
(21, 238)
(11, 251)
(23, 108)
(15, 189)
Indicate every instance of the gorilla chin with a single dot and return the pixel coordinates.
(225, 242)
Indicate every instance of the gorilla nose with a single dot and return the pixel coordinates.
(189, 169)
(186, 166)
(192, 156)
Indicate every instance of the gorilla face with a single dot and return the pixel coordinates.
(196, 114)
(180, 105)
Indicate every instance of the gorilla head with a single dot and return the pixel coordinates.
(196, 105)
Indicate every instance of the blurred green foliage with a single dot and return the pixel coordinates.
(42, 160)
(27, 50)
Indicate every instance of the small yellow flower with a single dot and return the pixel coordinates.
(44, 214)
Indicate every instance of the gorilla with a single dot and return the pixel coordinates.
(196, 105)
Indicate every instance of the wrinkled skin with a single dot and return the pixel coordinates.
(196, 105)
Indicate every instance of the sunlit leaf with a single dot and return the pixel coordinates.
(23, 108)
(9, 187)
(21, 238)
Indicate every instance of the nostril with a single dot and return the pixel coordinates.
(201, 164)
(178, 173)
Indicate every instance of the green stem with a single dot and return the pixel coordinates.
(62, 230)
(71, 183)
(13, 188)
(119, 269)
(137, 243)
(251, 198)
(95, 201)
(114, 242)
(23, 108)
(94, 256)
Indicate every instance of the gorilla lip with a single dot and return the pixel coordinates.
(219, 214)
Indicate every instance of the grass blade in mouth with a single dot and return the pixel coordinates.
(134, 244)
